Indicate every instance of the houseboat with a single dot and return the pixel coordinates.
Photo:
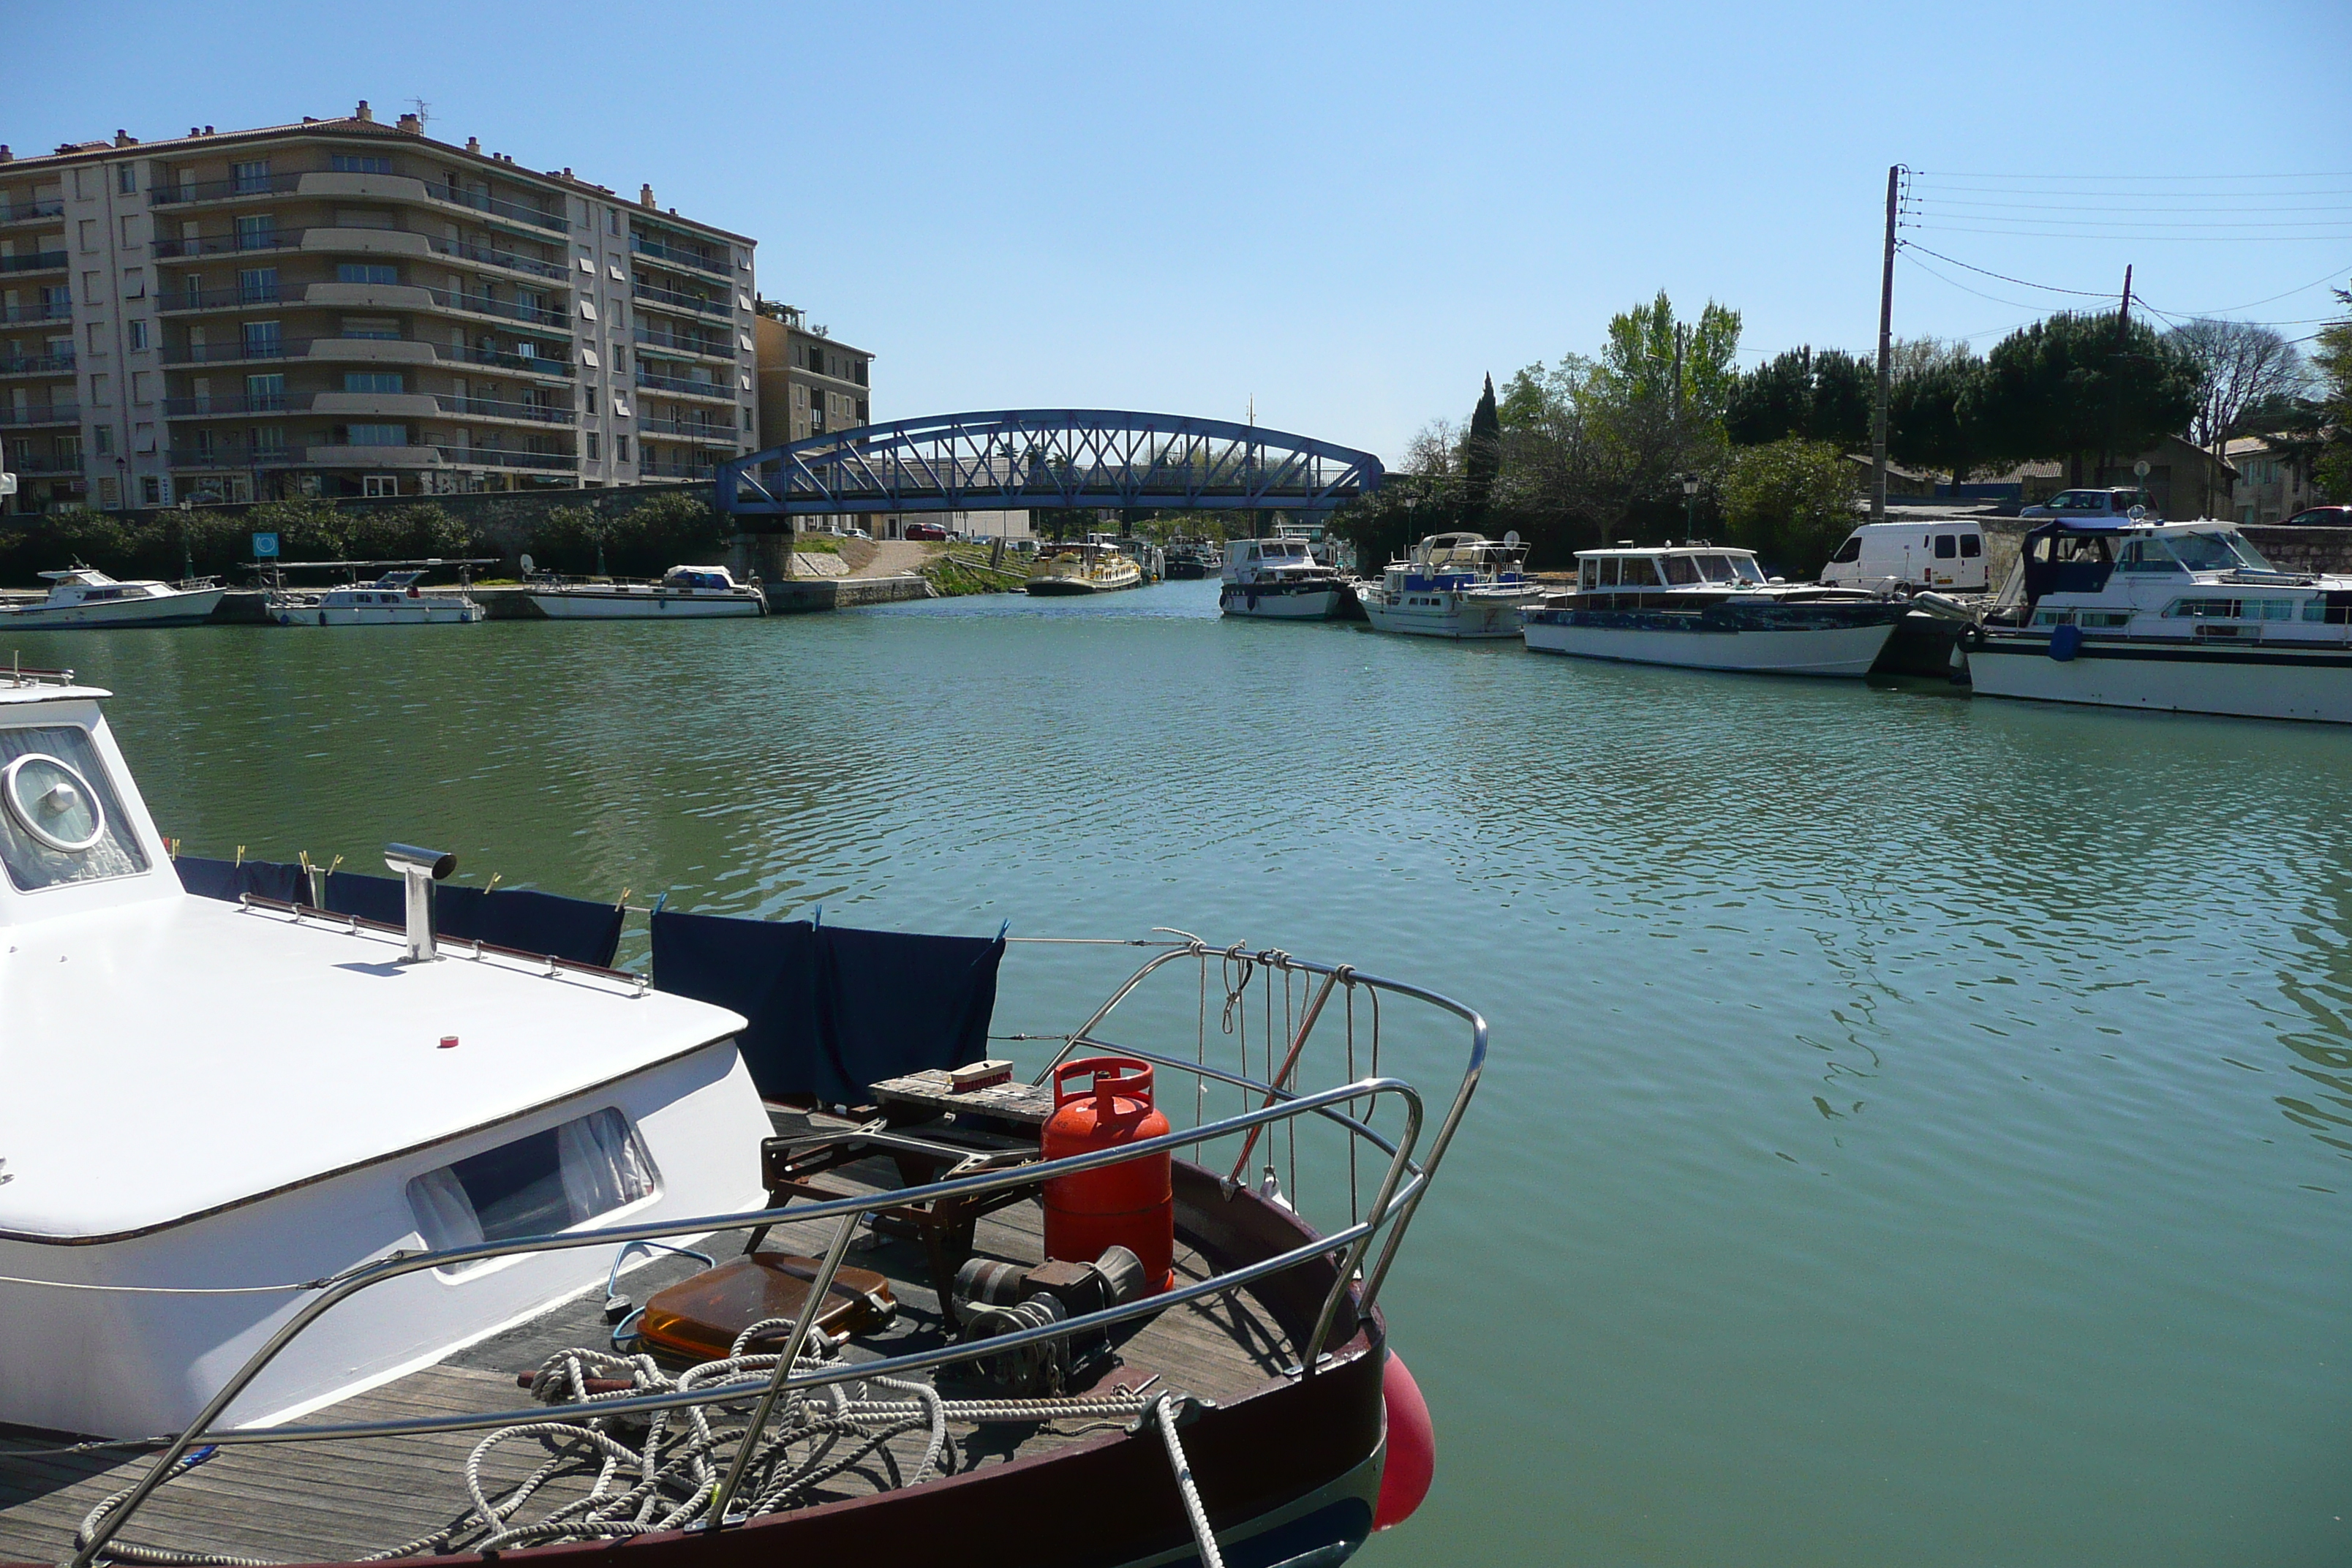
(83, 598)
(684, 593)
(1094, 566)
(408, 1333)
(1461, 585)
(1280, 580)
(1707, 606)
(2181, 616)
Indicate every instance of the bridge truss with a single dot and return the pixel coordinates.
(1034, 458)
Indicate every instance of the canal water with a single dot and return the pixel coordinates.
(1917, 1132)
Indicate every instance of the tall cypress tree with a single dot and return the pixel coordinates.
(1482, 454)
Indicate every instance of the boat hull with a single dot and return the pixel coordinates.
(1468, 619)
(1268, 601)
(189, 609)
(1832, 650)
(413, 614)
(1077, 587)
(2260, 681)
(595, 607)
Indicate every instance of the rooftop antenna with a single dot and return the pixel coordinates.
(424, 111)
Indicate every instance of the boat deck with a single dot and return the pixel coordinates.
(320, 1500)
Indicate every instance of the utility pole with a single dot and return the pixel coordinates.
(1885, 359)
(2123, 353)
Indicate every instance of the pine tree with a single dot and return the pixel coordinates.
(1482, 454)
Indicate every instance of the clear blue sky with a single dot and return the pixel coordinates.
(1345, 212)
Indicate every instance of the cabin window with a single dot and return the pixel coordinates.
(2268, 609)
(1638, 572)
(1850, 551)
(2108, 619)
(1587, 572)
(2053, 617)
(1679, 571)
(61, 821)
(1714, 568)
(1605, 572)
(2202, 609)
(2216, 552)
(534, 1186)
(2145, 555)
(1746, 567)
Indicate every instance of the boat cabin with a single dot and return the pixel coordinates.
(2171, 580)
(699, 580)
(1631, 578)
(1446, 562)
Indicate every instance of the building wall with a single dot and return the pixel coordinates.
(812, 386)
(345, 306)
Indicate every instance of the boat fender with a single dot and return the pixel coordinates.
(2065, 642)
(1412, 1462)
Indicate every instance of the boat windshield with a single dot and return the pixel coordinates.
(2220, 552)
(1680, 570)
(1714, 568)
(1746, 568)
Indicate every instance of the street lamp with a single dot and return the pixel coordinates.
(1690, 507)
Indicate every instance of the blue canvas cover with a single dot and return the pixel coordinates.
(228, 880)
(578, 929)
(765, 970)
(370, 898)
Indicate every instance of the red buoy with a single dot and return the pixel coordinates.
(1130, 1204)
(1412, 1447)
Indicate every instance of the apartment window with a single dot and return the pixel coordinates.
(89, 234)
(126, 179)
(135, 333)
(375, 435)
(268, 439)
(374, 381)
(864, 415)
(258, 231)
(256, 285)
(193, 285)
(261, 340)
(351, 163)
(613, 225)
(379, 484)
(109, 496)
(366, 272)
(104, 444)
(142, 387)
(588, 407)
(265, 393)
(747, 424)
(151, 489)
(135, 283)
(591, 439)
(383, 327)
(621, 449)
(252, 176)
(858, 370)
(130, 222)
(203, 446)
(69, 449)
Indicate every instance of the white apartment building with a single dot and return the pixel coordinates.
(348, 308)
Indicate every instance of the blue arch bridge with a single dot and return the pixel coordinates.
(1031, 459)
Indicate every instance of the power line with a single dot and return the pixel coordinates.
(2164, 212)
(2135, 239)
(1956, 175)
(2019, 304)
(2328, 276)
(2045, 287)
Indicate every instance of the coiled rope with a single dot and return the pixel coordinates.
(666, 1479)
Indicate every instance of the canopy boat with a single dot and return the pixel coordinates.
(397, 598)
(1704, 607)
(1279, 579)
(2184, 616)
(1096, 566)
(1190, 560)
(684, 593)
(1453, 585)
(84, 598)
(249, 1325)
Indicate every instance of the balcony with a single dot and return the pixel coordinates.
(498, 458)
(515, 212)
(672, 256)
(715, 435)
(413, 350)
(680, 386)
(39, 261)
(31, 212)
(483, 305)
(708, 348)
(37, 364)
(531, 364)
(506, 259)
(220, 190)
(168, 303)
(235, 406)
(234, 457)
(55, 414)
(47, 310)
(43, 463)
(669, 298)
(488, 408)
(251, 241)
(677, 470)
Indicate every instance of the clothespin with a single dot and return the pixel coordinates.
(1002, 928)
(332, 863)
(173, 846)
(659, 900)
(818, 921)
(240, 855)
(496, 877)
(622, 901)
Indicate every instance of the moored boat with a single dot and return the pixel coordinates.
(2181, 616)
(395, 599)
(1706, 606)
(684, 593)
(83, 598)
(1460, 585)
(1093, 566)
(205, 1259)
(1279, 579)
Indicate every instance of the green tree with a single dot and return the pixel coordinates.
(1822, 396)
(2331, 357)
(2074, 384)
(1791, 501)
(1935, 415)
(1482, 456)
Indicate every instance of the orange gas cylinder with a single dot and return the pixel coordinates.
(1130, 1204)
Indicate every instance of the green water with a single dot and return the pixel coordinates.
(1917, 1131)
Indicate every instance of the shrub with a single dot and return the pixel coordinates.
(1791, 502)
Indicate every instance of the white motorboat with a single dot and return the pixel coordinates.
(173, 1174)
(2183, 616)
(392, 600)
(1704, 607)
(1459, 585)
(83, 598)
(1280, 580)
(684, 593)
(1096, 566)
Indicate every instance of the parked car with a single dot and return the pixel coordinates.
(2092, 503)
(2322, 516)
(931, 532)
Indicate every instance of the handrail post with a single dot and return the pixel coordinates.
(1289, 1062)
(818, 1290)
(1355, 1258)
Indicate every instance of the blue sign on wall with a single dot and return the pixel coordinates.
(264, 547)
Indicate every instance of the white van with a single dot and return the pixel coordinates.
(1948, 555)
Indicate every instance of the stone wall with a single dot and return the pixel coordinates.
(2303, 549)
(501, 520)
